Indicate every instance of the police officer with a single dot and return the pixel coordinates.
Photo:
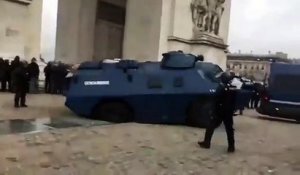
(7, 74)
(224, 111)
(2, 74)
(47, 72)
(34, 72)
(13, 66)
(21, 84)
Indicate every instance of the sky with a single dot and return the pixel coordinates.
(265, 25)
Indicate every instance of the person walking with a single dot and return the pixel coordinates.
(225, 104)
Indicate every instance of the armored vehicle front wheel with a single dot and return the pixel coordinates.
(116, 112)
(199, 114)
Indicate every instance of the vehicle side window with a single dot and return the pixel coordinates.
(178, 82)
(154, 83)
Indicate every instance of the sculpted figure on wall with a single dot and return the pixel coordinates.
(207, 14)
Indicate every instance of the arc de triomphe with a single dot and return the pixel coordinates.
(136, 29)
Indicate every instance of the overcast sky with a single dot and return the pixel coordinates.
(265, 25)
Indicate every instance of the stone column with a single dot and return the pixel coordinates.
(75, 30)
(49, 25)
(142, 29)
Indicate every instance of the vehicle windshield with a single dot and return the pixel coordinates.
(210, 71)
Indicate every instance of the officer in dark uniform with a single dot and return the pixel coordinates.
(13, 66)
(224, 110)
(47, 72)
(2, 74)
(21, 84)
(34, 72)
(61, 77)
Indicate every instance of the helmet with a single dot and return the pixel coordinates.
(226, 77)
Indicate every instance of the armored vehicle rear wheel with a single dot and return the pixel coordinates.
(116, 112)
(199, 114)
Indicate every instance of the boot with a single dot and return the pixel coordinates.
(207, 139)
(204, 145)
(231, 149)
(231, 145)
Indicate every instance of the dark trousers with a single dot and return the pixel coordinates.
(227, 119)
(3, 85)
(254, 102)
(20, 97)
(47, 85)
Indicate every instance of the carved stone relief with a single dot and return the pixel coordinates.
(206, 15)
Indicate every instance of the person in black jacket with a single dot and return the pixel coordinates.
(224, 110)
(13, 66)
(21, 83)
(34, 72)
(2, 74)
(47, 72)
(6, 80)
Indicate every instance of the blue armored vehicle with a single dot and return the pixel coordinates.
(281, 98)
(177, 90)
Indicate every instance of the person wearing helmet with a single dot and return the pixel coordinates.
(224, 111)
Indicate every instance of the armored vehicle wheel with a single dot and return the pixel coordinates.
(199, 114)
(116, 112)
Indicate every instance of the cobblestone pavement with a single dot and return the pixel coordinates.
(40, 106)
(263, 147)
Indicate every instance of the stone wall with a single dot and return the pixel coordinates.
(20, 29)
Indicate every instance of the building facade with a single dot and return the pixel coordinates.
(73, 31)
(252, 66)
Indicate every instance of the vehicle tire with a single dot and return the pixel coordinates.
(116, 112)
(199, 114)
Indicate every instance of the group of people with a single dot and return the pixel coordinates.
(255, 98)
(55, 77)
(20, 77)
(256, 89)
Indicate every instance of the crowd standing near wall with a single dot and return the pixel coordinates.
(54, 72)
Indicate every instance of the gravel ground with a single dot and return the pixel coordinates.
(263, 147)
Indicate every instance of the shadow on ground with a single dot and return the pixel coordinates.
(273, 119)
